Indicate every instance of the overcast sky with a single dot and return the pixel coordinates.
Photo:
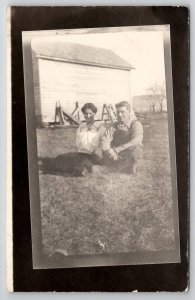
(142, 49)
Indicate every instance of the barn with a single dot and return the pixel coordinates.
(69, 73)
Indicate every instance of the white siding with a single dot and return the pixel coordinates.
(69, 82)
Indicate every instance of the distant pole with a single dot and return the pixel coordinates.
(130, 97)
(77, 106)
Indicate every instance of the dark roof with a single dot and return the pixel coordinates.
(80, 53)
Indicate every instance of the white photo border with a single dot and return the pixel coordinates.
(146, 257)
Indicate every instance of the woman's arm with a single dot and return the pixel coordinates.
(101, 133)
(77, 139)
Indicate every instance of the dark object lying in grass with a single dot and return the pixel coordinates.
(81, 164)
(72, 164)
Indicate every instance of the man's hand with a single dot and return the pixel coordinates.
(114, 156)
(118, 149)
(111, 154)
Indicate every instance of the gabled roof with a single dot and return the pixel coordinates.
(78, 53)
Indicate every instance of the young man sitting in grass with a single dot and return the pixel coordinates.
(122, 143)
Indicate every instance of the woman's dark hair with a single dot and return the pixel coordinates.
(90, 106)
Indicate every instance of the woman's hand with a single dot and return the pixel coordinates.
(98, 153)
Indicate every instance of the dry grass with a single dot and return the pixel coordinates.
(108, 212)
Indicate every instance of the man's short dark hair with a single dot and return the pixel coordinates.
(124, 104)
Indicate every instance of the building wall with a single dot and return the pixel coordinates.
(69, 82)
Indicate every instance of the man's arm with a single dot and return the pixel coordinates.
(136, 139)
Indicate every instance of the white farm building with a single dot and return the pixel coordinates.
(69, 73)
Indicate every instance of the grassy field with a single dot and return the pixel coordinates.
(107, 211)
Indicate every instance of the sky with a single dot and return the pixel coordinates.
(142, 49)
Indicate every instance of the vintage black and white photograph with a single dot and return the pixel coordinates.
(101, 146)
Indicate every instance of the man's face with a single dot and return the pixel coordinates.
(123, 115)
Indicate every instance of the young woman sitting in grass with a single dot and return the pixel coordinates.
(88, 152)
(88, 139)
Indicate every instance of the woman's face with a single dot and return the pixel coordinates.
(89, 115)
